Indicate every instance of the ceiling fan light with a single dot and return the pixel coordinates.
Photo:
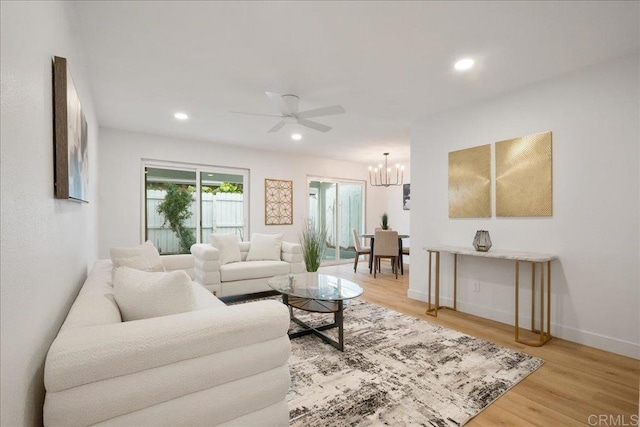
(181, 116)
(296, 136)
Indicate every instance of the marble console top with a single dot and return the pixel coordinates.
(494, 253)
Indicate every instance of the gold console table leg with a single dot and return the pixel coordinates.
(543, 336)
(432, 308)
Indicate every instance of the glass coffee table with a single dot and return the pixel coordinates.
(319, 293)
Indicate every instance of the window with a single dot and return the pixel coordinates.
(184, 204)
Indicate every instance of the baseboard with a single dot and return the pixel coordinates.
(590, 339)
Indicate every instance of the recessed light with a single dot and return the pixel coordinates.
(464, 64)
(181, 116)
(296, 136)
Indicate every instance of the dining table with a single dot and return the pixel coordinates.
(372, 237)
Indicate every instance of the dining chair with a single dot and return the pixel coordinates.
(386, 246)
(360, 250)
(405, 251)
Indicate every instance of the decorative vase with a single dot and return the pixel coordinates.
(482, 241)
(312, 278)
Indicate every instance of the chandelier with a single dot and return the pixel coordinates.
(382, 176)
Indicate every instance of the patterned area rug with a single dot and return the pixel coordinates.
(397, 370)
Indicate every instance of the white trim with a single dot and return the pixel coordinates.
(590, 339)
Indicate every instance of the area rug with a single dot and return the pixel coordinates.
(397, 370)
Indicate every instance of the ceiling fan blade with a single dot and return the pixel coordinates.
(324, 111)
(314, 125)
(255, 114)
(277, 100)
(277, 127)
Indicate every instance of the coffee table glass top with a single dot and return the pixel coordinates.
(318, 287)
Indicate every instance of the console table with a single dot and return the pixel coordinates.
(534, 258)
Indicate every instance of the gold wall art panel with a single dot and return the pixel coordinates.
(470, 182)
(278, 203)
(524, 176)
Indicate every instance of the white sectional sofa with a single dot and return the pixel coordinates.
(216, 365)
(244, 277)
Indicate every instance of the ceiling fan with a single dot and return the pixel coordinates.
(287, 105)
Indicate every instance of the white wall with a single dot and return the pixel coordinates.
(121, 155)
(46, 244)
(594, 116)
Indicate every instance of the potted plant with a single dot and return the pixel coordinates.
(312, 239)
(385, 221)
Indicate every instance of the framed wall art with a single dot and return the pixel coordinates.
(524, 176)
(406, 197)
(470, 183)
(71, 171)
(278, 203)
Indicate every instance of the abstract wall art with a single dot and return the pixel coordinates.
(470, 182)
(71, 170)
(524, 176)
(406, 197)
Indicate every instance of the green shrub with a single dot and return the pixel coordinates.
(175, 209)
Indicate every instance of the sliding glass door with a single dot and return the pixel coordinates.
(222, 202)
(339, 205)
(184, 204)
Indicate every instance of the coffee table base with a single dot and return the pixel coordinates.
(317, 306)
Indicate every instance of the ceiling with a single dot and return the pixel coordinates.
(387, 63)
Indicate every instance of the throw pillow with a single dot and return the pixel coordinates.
(144, 257)
(227, 244)
(143, 294)
(265, 247)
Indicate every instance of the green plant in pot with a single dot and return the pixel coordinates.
(385, 221)
(312, 239)
(175, 209)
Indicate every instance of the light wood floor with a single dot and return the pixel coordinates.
(575, 382)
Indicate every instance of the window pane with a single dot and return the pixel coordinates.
(322, 210)
(339, 206)
(170, 209)
(351, 210)
(222, 204)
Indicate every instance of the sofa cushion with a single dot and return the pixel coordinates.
(144, 257)
(265, 247)
(227, 244)
(252, 270)
(142, 294)
(204, 298)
